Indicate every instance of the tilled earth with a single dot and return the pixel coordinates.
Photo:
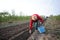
(10, 33)
(52, 31)
(20, 32)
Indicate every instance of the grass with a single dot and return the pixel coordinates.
(14, 18)
(55, 17)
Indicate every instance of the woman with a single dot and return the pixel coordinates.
(35, 19)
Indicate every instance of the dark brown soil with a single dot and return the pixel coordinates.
(52, 27)
(6, 33)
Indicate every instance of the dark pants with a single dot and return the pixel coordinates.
(36, 24)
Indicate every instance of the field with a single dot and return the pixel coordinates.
(53, 26)
(20, 31)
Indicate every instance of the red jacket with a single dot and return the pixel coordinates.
(31, 21)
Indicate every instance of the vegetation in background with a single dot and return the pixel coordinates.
(6, 17)
(57, 17)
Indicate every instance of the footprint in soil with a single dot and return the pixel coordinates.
(48, 37)
(45, 37)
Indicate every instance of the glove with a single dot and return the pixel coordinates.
(30, 31)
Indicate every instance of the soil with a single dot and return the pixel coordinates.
(21, 32)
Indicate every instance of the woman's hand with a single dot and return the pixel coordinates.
(30, 31)
(40, 22)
